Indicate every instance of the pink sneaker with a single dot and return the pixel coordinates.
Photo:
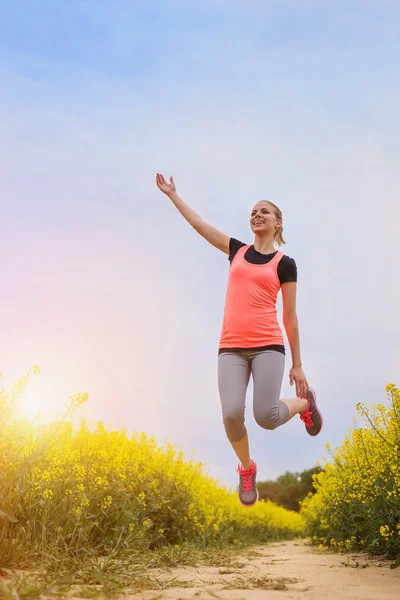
(248, 492)
(312, 417)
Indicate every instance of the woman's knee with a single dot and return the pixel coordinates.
(267, 419)
(234, 427)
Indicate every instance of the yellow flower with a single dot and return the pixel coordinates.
(385, 531)
(106, 503)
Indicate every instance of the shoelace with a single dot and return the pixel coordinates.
(247, 482)
(247, 478)
(306, 418)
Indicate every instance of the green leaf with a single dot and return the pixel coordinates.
(8, 514)
(396, 563)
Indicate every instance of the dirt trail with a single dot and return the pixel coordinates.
(296, 571)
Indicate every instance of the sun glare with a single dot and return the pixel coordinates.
(40, 402)
(33, 402)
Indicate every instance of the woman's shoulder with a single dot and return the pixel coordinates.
(234, 247)
(287, 269)
(287, 260)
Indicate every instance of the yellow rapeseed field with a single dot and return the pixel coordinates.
(357, 504)
(95, 491)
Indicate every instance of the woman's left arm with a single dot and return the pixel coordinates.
(290, 321)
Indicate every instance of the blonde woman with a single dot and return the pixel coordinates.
(251, 341)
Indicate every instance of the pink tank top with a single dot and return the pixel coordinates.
(250, 316)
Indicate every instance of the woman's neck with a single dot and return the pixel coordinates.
(264, 245)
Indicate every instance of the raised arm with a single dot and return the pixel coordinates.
(208, 232)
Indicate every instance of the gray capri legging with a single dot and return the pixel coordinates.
(266, 367)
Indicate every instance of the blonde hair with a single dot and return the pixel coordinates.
(278, 237)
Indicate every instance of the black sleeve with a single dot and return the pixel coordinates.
(287, 270)
(234, 246)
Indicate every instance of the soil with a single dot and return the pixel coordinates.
(287, 570)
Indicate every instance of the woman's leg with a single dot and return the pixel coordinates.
(269, 410)
(233, 379)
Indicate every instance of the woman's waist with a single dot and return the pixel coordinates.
(254, 336)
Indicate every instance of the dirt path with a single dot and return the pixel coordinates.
(289, 571)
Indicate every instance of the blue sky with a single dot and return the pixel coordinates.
(110, 291)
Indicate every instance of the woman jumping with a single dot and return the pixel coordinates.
(251, 340)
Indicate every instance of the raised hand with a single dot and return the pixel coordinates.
(208, 232)
(164, 186)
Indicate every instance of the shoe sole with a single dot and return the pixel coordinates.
(250, 505)
(319, 412)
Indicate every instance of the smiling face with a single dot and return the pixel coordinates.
(263, 219)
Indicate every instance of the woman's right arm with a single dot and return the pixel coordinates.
(208, 232)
